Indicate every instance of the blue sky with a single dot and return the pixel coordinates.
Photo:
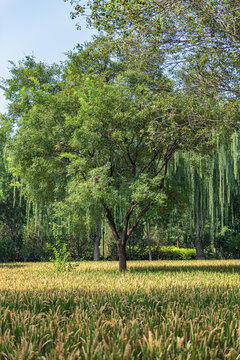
(39, 27)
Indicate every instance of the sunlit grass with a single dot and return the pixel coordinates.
(157, 310)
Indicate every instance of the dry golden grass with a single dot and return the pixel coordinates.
(157, 310)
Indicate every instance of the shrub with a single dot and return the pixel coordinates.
(174, 253)
(61, 256)
(6, 249)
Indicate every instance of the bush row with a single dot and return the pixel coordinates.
(163, 253)
(174, 253)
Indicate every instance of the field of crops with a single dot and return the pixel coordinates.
(157, 310)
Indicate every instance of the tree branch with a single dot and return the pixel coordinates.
(126, 222)
(111, 221)
(140, 215)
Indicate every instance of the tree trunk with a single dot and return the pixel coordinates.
(126, 231)
(78, 247)
(214, 244)
(178, 242)
(149, 242)
(96, 241)
(129, 249)
(122, 256)
(199, 231)
(103, 245)
(186, 241)
(96, 256)
(199, 247)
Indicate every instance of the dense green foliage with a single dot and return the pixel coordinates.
(121, 152)
(201, 37)
(97, 139)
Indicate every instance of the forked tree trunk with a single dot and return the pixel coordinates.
(122, 256)
(126, 231)
(199, 247)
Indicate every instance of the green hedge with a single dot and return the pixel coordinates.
(163, 253)
(174, 253)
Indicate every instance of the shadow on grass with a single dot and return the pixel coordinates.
(195, 267)
(164, 266)
(190, 266)
(11, 266)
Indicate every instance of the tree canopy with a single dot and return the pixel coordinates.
(100, 135)
(101, 131)
(200, 38)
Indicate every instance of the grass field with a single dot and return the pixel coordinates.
(157, 310)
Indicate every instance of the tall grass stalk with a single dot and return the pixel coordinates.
(157, 310)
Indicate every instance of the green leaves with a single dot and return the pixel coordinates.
(199, 39)
(96, 136)
(61, 256)
(145, 188)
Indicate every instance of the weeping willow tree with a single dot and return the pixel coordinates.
(213, 180)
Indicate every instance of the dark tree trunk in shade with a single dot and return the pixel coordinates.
(103, 244)
(126, 231)
(214, 244)
(200, 223)
(78, 248)
(149, 242)
(122, 256)
(199, 247)
(96, 256)
(96, 241)
(178, 242)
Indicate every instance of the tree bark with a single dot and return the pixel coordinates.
(122, 256)
(78, 247)
(199, 247)
(214, 244)
(103, 243)
(96, 255)
(149, 242)
(96, 241)
(126, 231)
(199, 232)
(186, 241)
(178, 242)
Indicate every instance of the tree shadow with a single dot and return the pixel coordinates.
(11, 266)
(195, 267)
(163, 266)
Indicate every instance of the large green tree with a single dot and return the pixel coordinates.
(104, 134)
